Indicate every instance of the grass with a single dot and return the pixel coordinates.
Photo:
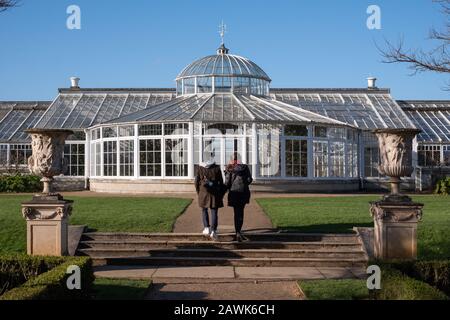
(120, 289)
(347, 289)
(340, 214)
(137, 214)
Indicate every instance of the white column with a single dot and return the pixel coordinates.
(310, 153)
(136, 151)
(283, 154)
(8, 156)
(415, 163)
(191, 151)
(361, 160)
(87, 158)
(254, 151)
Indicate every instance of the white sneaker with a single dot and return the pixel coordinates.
(214, 235)
(206, 232)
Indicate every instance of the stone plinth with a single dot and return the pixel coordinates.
(47, 225)
(395, 229)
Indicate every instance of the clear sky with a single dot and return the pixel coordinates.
(142, 43)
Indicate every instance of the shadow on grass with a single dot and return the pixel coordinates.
(327, 228)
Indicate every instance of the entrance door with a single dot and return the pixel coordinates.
(233, 146)
(212, 150)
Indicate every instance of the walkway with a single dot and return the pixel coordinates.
(225, 283)
(255, 219)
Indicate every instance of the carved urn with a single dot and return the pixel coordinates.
(396, 157)
(47, 158)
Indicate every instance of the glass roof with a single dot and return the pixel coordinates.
(223, 64)
(363, 110)
(82, 110)
(432, 117)
(17, 117)
(225, 108)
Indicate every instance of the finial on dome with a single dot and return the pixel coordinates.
(222, 49)
(222, 31)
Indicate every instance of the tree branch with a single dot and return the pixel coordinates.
(7, 4)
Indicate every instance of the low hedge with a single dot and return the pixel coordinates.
(397, 286)
(51, 285)
(20, 183)
(17, 269)
(435, 273)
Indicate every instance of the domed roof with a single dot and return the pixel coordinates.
(223, 64)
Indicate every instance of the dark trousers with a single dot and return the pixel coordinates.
(214, 218)
(238, 218)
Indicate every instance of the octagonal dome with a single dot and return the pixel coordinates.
(223, 64)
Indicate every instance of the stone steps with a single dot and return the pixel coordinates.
(262, 249)
(235, 253)
(208, 244)
(224, 261)
(254, 236)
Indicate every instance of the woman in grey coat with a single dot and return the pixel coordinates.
(237, 179)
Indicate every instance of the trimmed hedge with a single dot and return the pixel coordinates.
(397, 286)
(435, 273)
(20, 183)
(17, 269)
(443, 186)
(51, 285)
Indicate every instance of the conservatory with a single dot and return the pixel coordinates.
(135, 140)
(222, 110)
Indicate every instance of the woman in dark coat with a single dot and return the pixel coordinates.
(209, 186)
(237, 179)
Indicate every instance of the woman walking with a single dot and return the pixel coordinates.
(237, 179)
(209, 186)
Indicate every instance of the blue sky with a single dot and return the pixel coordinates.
(146, 43)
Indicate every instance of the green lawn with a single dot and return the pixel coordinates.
(340, 214)
(120, 289)
(346, 289)
(137, 214)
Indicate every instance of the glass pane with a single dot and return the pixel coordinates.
(127, 131)
(150, 130)
(295, 130)
(110, 132)
(320, 132)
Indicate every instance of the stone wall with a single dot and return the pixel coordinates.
(187, 186)
(65, 183)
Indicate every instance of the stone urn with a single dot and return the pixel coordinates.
(47, 214)
(395, 216)
(47, 158)
(396, 157)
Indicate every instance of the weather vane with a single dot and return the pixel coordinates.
(222, 31)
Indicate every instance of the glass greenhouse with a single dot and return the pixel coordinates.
(140, 140)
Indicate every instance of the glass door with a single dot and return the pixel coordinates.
(212, 150)
(233, 147)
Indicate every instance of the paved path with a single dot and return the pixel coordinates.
(254, 220)
(224, 290)
(225, 283)
(228, 273)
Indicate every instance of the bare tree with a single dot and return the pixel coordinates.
(7, 4)
(435, 60)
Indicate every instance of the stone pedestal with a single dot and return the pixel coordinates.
(395, 235)
(47, 225)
